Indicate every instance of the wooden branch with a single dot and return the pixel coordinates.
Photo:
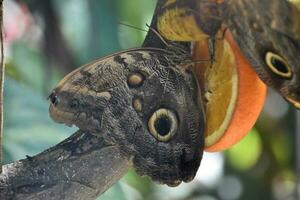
(81, 167)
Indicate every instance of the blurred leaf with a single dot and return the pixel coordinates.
(90, 27)
(103, 36)
(115, 192)
(28, 63)
(128, 36)
(246, 153)
(282, 148)
(11, 71)
(120, 191)
(28, 129)
(142, 184)
(28, 66)
(75, 21)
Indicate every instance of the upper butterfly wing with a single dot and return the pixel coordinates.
(189, 20)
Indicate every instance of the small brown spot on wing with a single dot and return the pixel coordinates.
(137, 104)
(106, 95)
(135, 79)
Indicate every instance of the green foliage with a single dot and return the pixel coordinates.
(130, 37)
(282, 148)
(246, 153)
(120, 191)
(141, 184)
(27, 126)
(29, 64)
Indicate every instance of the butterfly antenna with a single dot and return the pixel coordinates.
(150, 28)
(158, 35)
(131, 26)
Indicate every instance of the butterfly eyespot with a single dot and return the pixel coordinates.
(135, 80)
(163, 124)
(278, 65)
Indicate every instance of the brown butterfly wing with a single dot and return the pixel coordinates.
(141, 102)
(265, 32)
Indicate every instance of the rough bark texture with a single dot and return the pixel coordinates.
(81, 167)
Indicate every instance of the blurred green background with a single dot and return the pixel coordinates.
(44, 40)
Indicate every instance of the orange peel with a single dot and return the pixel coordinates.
(233, 94)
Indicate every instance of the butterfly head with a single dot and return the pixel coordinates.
(139, 102)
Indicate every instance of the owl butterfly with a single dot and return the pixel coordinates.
(144, 102)
(266, 31)
(269, 36)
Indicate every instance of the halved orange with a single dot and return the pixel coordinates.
(233, 94)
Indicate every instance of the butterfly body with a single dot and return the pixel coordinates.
(138, 100)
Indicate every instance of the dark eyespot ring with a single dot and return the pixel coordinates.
(163, 124)
(278, 65)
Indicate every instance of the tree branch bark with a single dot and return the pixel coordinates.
(81, 167)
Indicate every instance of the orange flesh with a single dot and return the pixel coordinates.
(219, 82)
(249, 103)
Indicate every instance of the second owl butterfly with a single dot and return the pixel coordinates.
(266, 31)
(145, 103)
